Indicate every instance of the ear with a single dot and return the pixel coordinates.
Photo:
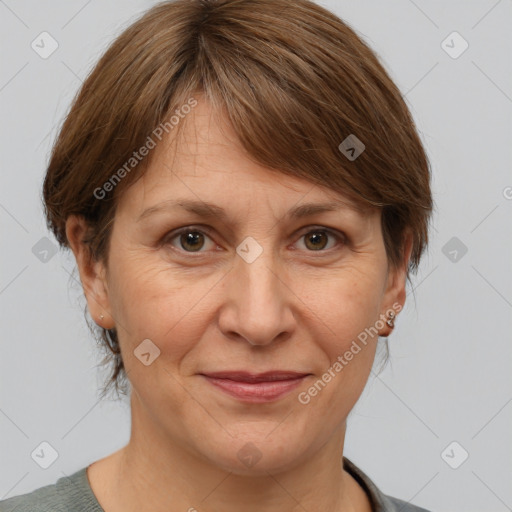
(92, 273)
(394, 296)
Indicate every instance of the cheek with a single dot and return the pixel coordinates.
(344, 303)
(153, 301)
(344, 309)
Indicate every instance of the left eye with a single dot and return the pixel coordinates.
(193, 240)
(317, 239)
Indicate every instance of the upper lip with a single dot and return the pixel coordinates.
(243, 376)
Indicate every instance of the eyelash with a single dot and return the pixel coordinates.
(341, 238)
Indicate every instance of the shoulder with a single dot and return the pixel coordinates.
(69, 494)
(400, 505)
(380, 502)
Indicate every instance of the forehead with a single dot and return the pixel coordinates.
(206, 162)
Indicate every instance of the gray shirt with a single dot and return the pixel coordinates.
(74, 494)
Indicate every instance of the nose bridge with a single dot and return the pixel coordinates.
(259, 297)
(256, 271)
(258, 274)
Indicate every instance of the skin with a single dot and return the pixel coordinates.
(296, 307)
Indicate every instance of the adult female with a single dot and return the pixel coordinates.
(245, 194)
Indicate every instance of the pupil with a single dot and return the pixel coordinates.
(191, 240)
(317, 236)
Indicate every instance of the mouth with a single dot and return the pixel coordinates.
(256, 388)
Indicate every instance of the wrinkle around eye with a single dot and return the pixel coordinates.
(176, 234)
(340, 238)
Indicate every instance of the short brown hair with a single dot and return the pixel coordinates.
(292, 78)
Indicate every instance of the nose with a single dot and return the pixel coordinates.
(258, 302)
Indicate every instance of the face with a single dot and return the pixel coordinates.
(251, 288)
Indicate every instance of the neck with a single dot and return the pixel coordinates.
(153, 472)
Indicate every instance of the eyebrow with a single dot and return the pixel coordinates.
(209, 210)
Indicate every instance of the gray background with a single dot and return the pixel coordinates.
(449, 377)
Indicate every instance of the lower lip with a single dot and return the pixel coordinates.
(257, 392)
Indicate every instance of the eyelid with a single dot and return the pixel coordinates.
(339, 235)
(171, 235)
(316, 227)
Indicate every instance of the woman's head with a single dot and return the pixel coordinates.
(247, 106)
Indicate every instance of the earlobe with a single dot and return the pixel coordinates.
(395, 293)
(92, 273)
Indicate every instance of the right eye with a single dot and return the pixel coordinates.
(188, 239)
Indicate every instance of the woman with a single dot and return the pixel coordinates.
(245, 194)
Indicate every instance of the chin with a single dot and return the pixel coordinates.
(258, 453)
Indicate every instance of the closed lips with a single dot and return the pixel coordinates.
(255, 378)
